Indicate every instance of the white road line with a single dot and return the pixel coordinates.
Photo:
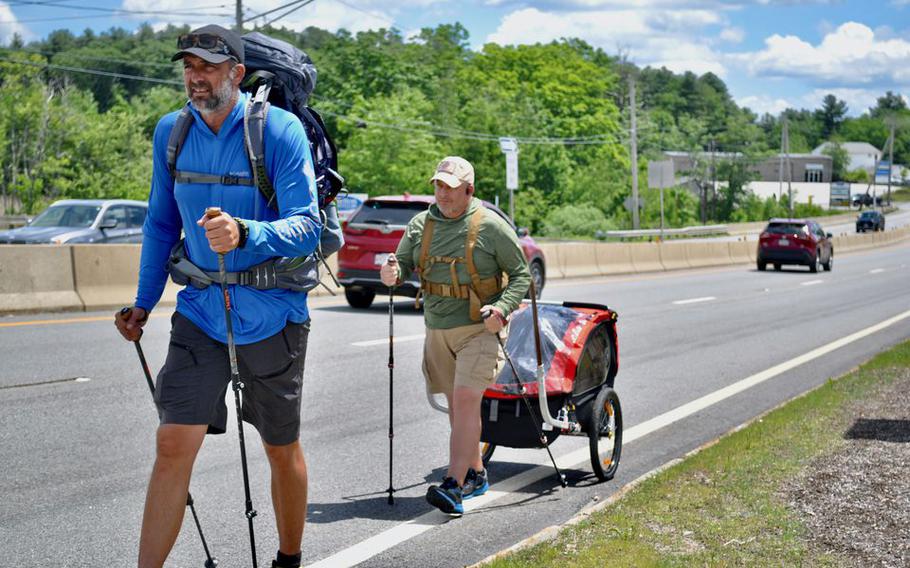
(811, 282)
(385, 340)
(364, 550)
(876, 270)
(694, 300)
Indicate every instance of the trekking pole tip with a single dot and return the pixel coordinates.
(211, 562)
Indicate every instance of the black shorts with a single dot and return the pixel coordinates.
(192, 384)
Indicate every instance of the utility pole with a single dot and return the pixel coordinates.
(890, 158)
(785, 142)
(780, 171)
(238, 16)
(634, 153)
(713, 180)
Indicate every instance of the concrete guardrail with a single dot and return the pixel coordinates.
(37, 278)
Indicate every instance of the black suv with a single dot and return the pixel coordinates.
(870, 220)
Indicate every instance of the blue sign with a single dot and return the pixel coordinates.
(349, 202)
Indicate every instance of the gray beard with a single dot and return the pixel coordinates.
(221, 98)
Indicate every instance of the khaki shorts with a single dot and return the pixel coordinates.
(466, 356)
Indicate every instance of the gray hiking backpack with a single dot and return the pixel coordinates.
(277, 74)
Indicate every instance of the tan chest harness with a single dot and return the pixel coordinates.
(479, 290)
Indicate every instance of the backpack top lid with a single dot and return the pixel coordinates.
(293, 69)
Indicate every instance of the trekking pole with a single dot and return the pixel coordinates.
(523, 391)
(211, 561)
(211, 212)
(391, 488)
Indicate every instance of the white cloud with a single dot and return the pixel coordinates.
(733, 35)
(851, 55)
(858, 100)
(761, 104)
(354, 16)
(7, 31)
(670, 38)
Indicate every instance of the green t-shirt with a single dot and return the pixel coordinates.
(496, 251)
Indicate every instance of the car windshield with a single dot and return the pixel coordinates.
(867, 215)
(786, 228)
(67, 216)
(388, 212)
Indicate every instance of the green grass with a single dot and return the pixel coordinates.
(902, 194)
(723, 506)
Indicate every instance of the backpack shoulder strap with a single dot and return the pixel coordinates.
(177, 137)
(425, 240)
(470, 243)
(254, 116)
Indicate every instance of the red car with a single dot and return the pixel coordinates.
(795, 241)
(374, 231)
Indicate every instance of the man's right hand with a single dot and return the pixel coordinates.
(129, 322)
(389, 271)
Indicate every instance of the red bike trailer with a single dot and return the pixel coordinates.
(576, 368)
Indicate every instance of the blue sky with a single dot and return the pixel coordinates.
(771, 53)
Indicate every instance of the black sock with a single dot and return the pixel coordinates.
(287, 560)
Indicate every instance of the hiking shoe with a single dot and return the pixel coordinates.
(446, 497)
(475, 484)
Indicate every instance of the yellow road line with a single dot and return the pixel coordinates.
(71, 320)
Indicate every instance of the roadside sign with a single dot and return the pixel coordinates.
(508, 145)
(628, 203)
(348, 204)
(840, 193)
(660, 173)
(512, 170)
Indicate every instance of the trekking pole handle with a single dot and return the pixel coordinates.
(212, 212)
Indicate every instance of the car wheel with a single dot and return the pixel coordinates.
(777, 266)
(360, 298)
(816, 262)
(538, 276)
(830, 264)
(762, 266)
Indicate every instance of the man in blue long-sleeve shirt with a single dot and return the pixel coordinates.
(270, 326)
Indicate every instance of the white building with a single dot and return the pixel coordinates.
(861, 155)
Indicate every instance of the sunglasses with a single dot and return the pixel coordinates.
(209, 42)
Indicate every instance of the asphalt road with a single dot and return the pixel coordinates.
(700, 353)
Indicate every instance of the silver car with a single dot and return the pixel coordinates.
(83, 221)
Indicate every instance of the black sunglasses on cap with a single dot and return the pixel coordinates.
(209, 42)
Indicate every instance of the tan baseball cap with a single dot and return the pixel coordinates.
(454, 171)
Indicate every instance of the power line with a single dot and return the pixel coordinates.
(288, 13)
(273, 10)
(91, 57)
(58, 4)
(94, 72)
(367, 12)
(425, 128)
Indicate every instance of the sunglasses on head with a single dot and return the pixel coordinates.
(210, 42)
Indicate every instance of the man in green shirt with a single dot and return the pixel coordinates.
(461, 250)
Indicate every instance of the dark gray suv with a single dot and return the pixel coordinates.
(83, 221)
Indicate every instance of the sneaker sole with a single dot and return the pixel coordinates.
(444, 503)
(477, 492)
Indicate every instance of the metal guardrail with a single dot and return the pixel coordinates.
(12, 221)
(697, 231)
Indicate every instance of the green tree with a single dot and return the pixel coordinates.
(839, 159)
(831, 115)
(568, 221)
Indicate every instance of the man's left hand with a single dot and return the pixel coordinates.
(221, 231)
(493, 319)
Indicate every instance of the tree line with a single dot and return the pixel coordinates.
(77, 115)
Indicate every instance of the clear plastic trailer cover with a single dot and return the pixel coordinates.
(575, 347)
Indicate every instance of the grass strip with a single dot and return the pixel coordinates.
(724, 505)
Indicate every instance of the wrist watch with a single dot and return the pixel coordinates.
(244, 232)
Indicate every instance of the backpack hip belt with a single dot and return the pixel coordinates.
(478, 291)
(297, 274)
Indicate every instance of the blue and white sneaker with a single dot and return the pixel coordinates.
(446, 497)
(475, 484)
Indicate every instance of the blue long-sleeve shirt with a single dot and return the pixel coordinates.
(292, 231)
